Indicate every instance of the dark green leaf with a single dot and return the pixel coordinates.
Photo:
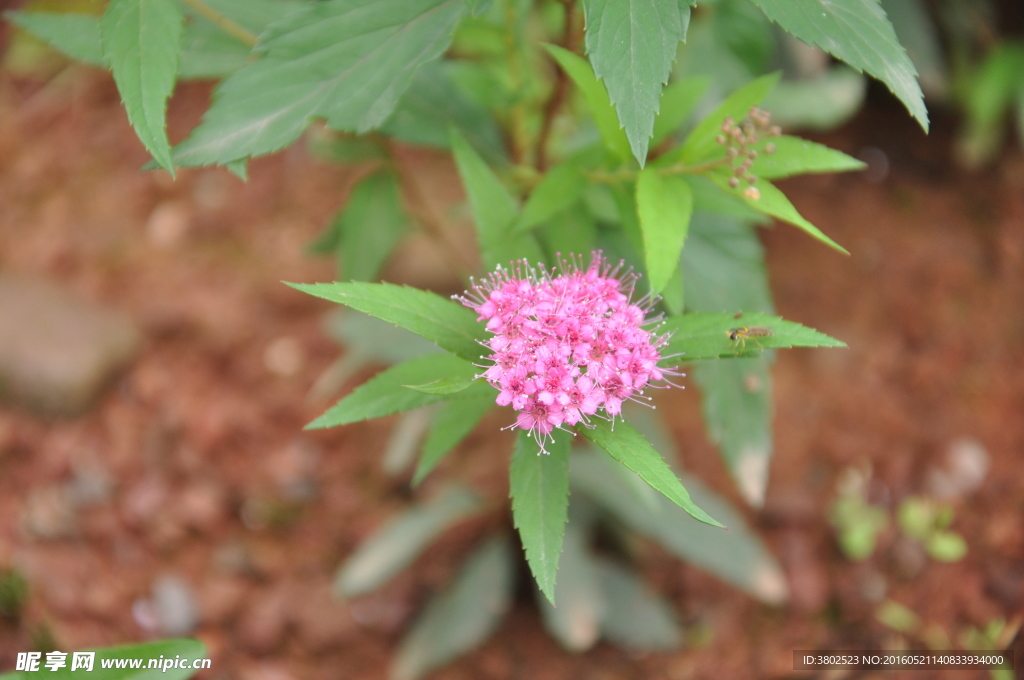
(745, 33)
(574, 619)
(452, 424)
(340, 60)
(629, 447)
(461, 617)
(664, 206)
(446, 323)
(182, 650)
(705, 335)
(632, 45)
(76, 35)
(394, 546)
(539, 486)
(571, 231)
(560, 187)
(795, 156)
(857, 32)
(141, 40)
(637, 618)
(443, 386)
(677, 103)
(370, 225)
(385, 393)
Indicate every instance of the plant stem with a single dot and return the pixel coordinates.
(233, 29)
(560, 90)
(626, 175)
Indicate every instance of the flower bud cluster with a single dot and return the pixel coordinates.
(566, 347)
(739, 140)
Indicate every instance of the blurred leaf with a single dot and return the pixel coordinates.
(796, 156)
(141, 40)
(678, 100)
(897, 617)
(451, 425)
(539, 486)
(494, 209)
(629, 447)
(946, 546)
(736, 556)
(398, 543)
(700, 145)
(632, 45)
(574, 617)
(175, 649)
(708, 198)
(989, 94)
(724, 266)
(664, 206)
(444, 386)
(560, 188)
(571, 231)
(857, 32)
(447, 324)
(821, 103)
(918, 33)
(478, 6)
(257, 15)
(596, 96)
(76, 35)
(746, 33)
(370, 225)
(637, 618)
(375, 339)
(404, 440)
(329, 61)
(705, 335)
(461, 617)
(385, 393)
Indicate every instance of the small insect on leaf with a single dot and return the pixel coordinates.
(741, 334)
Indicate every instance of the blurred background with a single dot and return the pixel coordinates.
(154, 476)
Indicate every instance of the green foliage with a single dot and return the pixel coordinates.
(664, 206)
(451, 425)
(76, 35)
(183, 649)
(705, 335)
(13, 593)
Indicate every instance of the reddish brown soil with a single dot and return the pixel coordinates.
(202, 439)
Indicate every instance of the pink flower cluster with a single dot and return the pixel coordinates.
(566, 347)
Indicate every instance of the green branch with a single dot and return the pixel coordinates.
(225, 24)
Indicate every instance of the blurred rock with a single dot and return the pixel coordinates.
(322, 621)
(960, 471)
(284, 357)
(222, 598)
(202, 506)
(48, 514)
(264, 622)
(174, 605)
(57, 352)
(169, 223)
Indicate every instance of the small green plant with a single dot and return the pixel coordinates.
(858, 524)
(927, 522)
(13, 593)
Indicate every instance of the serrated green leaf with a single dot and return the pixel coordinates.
(539, 486)
(341, 60)
(769, 200)
(705, 335)
(141, 40)
(494, 209)
(446, 323)
(575, 616)
(664, 206)
(560, 187)
(700, 144)
(632, 44)
(637, 618)
(858, 33)
(677, 103)
(629, 447)
(76, 35)
(796, 156)
(385, 393)
(186, 650)
(451, 425)
(394, 546)
(370, 225)
(463, 615)
(443, 386)
(596, 97)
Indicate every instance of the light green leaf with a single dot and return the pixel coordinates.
(183, 650)
(629, 447)
(494, 209)
(76, 35)
(375, 339)
(539, 486)
(342, 60)
(394, 546)
(858, 33)
(444, 386)
(478, 6)
(141, 40)
(637, 618)
(664, 206)
(451, 425)
(632, 44)
(821, 103)
(596, 96)
(769, 200)
(575, 616)
(560, 187)
(370, 225)
(677, 103)
(446, 323)
(462, 616)
(796, 156)
(571, 231)
(385, 393)
(700, 145)
(724, 265)
(705, 335)
(918, 32)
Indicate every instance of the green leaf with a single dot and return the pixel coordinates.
(560, 188)
(677, 103)
(370, 225)
(858, 33)
(629, 447)
(824, 102)
(76, 35)
(796, 156)
(705, 335)
(539, 486)
(637, 617)
(571, 231)
(447, 324)
(596, 96)
(478, 6)
(385, 393)
(451, 425)
(575, 616)
(700, 145)
(494, 209)
(394, 546)
(141, 40)
(340, 60)
(443, 386)
(463, 615)
(664, 206)
(724, 265)
(183, 650)
(632, 44)
(770, 201)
